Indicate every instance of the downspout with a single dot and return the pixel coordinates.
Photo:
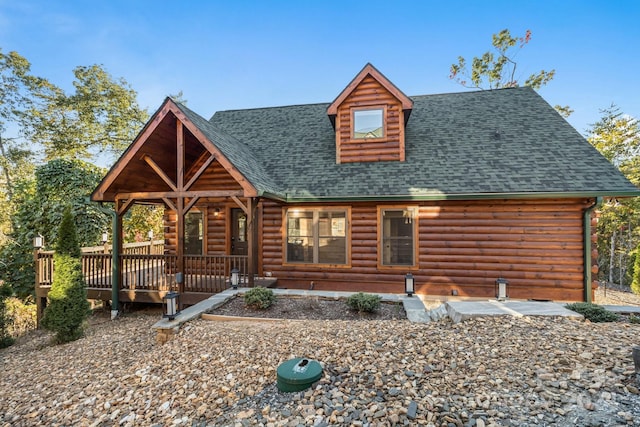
(586, 218)
(115, 266)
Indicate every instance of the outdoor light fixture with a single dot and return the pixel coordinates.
(171, 304)
(38, 241)
(105, 237)
(235, 278)
(216, 212)
(150, 234)
(501, 289)
(408, 284)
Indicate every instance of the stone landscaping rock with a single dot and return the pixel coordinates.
(484, 372)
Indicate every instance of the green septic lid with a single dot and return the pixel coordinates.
(298, 374)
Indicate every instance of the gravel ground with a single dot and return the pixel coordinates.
(615, 296)
(495, 371)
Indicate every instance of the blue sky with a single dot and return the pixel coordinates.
(244, 54)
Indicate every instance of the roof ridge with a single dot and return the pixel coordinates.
(410, 96)
(272, 107)
(473, 91)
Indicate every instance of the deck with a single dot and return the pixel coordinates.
(146, 274)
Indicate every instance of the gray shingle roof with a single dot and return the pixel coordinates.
(239, 154)
(506, 143)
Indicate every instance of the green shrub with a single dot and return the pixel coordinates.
(259, 297)
(635, 283)
(634, 319)
(68, 307)
(364, 302)
(5, 320)
(593, 312)
(23, 316)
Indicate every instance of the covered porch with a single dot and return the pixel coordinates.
(211, 219)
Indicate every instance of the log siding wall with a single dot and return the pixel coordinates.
(463, 247)
(370, 94)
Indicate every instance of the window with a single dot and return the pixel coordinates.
(193, 233)
(317, 236)
(398, 237)
(368, 123)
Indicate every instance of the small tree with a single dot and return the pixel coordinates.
(635, 283)
(68, 306)
(497, 69)
(5, 338)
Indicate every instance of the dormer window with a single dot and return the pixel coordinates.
(368, 124)
(369, 118)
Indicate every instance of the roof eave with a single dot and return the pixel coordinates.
(466, 196)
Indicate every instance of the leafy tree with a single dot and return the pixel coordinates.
(18, 94)
(41, 202)
(140, 219)
(102, 116)
(179, 98)
(497, 69)
(635, 283)
(5, 337)
(617, 137)
(68, 307)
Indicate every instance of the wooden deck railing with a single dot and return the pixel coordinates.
(155, 247)
(151, 272)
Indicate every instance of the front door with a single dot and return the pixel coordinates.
(238, 232)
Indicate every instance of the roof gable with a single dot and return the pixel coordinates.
(150, 162)
(369, 70)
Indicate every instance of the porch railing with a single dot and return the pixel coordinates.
(152, 272)
(150, 247)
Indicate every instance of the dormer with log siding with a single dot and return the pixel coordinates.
(369, 118)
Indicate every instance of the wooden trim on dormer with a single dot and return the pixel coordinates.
(407, 103)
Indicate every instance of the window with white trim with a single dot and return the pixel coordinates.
(398, 237)
(316, 236)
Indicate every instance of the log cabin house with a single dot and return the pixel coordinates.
(458, 189)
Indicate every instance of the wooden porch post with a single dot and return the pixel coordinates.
(252, 239)
(180, 247)
(116, 271)
(180, 200)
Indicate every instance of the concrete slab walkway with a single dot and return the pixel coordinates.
(416, 308)
(623, 309)
(459, 311)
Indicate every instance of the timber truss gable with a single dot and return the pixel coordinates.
(172, 161)
(167, 159)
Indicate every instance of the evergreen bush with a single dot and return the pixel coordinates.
(5, 320)
(259, 297)
(68, 307)
(593, 312)
(364, 302)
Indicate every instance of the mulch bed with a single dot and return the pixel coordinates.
(310, 308)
